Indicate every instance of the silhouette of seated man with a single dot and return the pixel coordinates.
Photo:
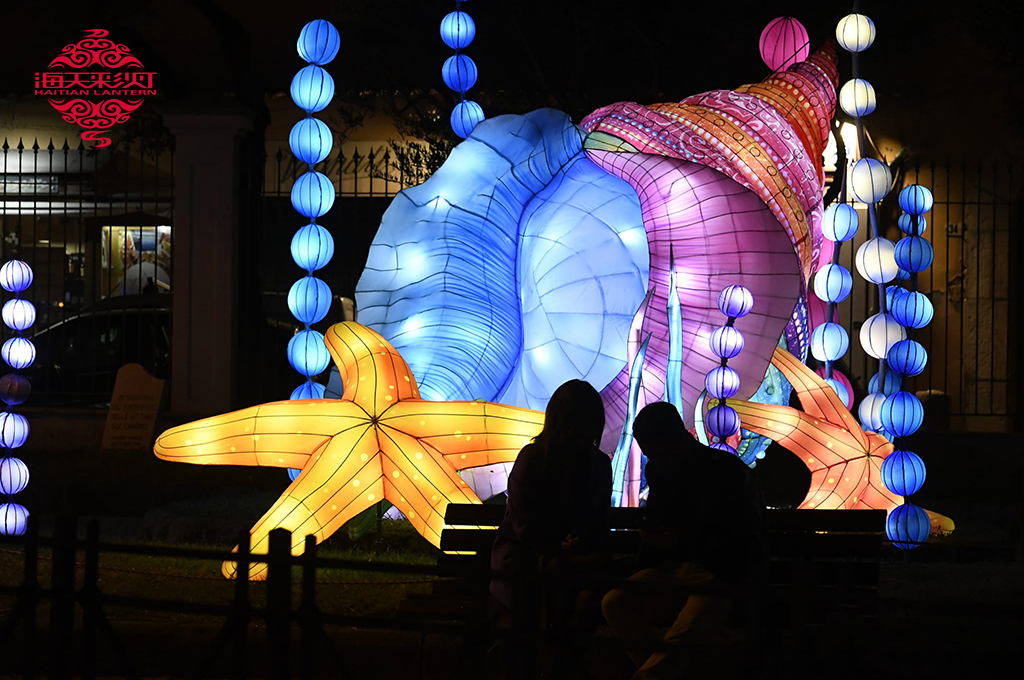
(703, 528)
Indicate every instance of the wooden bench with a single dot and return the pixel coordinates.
(822, 579)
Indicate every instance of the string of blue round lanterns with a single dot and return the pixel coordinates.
(459, 71)
(313, 194)
(19, 353)
(901, 413)
(722, 382)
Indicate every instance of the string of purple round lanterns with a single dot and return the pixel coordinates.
(459, 70)
(722, 382)
(312, 246)
(18, 352)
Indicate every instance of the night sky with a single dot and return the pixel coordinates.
(948, 76)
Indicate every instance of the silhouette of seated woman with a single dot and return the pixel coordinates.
(703, 528)
(556, 519)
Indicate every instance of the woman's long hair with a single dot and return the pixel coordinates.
(573, 421)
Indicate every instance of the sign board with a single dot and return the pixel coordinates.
(133, 409)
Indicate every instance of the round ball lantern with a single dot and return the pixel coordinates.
(312, 195)
(892, 294)
(783, 43)
(916, 199)
(870, 411)
(833, 283)
(722, 382)
(19, 314)
(912, 309)
(908, 526)
(15, 276)
(13, 476)
(857, 98)
(308, 354)
(312, 89)
(735, 301)
(840, 389)
(907, 357)
(13, 430)
(13, 519)
(18, 352)
(723, 421)
(870, 180)
(876, 260)
(318, 42)
(879, 333)
(829, 342)
(903, 472)
(722, 446)
(840, 222)
(309, 300)
(855, 32)
(312, 247)
(15, 389)
(311, 140)
(726, 342)
(458, 30)
(459, 72)
(914, 254)
(308, 390)
(891, 384)
(903, 275)
(465, 116)
(902, 414)
(842, 379)
(906, 224)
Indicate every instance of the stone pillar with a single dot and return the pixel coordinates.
(204, 373)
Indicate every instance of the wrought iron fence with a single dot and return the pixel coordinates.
(972, 378)
(95, 226)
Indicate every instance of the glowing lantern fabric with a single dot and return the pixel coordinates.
(458, 30)
(840, 222)
(312, 194)
(783, 43)
(15, 276)
(914, 254)
(904, 472)
(870, 180)
(908, 526)
(381, 441)
(13, 519)
(465, 117)
(855, 32)
(916, 200)
(318, 42)
(857, 98)
(312, 89)
(310, 140)
(459, 72)
(13, 476)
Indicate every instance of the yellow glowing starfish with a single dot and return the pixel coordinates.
(380, 441)
(844, 460)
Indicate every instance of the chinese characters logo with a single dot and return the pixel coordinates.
(95, 84)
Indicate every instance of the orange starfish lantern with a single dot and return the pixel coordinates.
(380, 441)
(844, 460)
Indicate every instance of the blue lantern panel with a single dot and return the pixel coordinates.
(13, 430)
(829, 342)
(465, 116)
(907, 357)
(916, 199)
(308, 354)
(312, 195)
(309, 300)
(903, 472)
(908, 526)
(318, 42)
(840, 222)
(312, 247)
(907, 225)
(833, 283)
(914, 254)
(458, 30)
(726, 342)
(912, 309)
(722, 382)
(18, 352)
(311, 140)
(723, 421)
(13, 519)
(312, 89)
(459, 73)
(902, 414)
(735, 301)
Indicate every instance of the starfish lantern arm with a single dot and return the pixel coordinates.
(340, 480)
(279, 434)
(467, 433)
(816, 397)
(374, 374)
(419, 482)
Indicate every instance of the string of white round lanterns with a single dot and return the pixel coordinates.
(459, 70)
(19, 353)
(722, 382)
(887, 408)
